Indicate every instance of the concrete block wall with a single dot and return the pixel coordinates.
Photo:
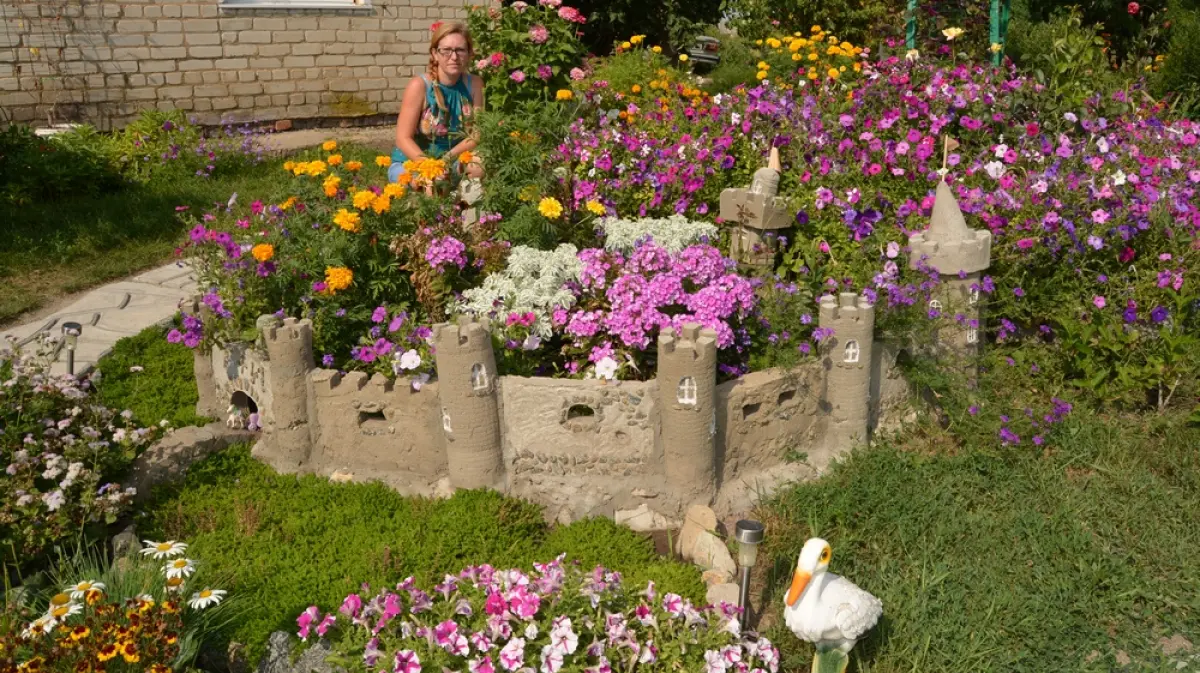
(102, 61)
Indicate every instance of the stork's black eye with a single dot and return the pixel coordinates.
(825, 556)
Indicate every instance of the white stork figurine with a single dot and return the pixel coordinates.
(827, 610)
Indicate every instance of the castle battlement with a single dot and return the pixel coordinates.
(468, 335)
(700, 342)
(290, 329)
(848, 308)
(949, 245)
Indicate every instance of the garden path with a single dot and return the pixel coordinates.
(111, 312)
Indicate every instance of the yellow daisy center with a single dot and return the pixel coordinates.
(181, 563)
(83, 586)
(205, 594)
(174, 581)
(60, 599)
(163, 546)
(60, 611)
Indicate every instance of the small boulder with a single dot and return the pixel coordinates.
(283, 125)
(699, 519)
(718, 593)
(711, 577)
(711, 553)
(643, 519)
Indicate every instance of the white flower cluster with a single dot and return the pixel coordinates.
(533, 282)
(673, 233)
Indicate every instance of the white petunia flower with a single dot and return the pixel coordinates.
(606, 368)
(410, 359)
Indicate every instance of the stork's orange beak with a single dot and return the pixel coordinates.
(799, 581)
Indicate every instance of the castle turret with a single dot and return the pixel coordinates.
(757, 213)
(687, 377)
(467, 387)
(287, 444)
(959, 254)
(848, 363)
(207, 402)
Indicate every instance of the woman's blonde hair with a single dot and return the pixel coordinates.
(440, 31)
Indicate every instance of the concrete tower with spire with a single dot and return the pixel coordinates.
(959, 254)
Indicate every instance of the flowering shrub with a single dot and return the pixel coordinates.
(341, 246)
(558, 618)
(167, 141)
(527, 52)
(90, 625)
(60, 450)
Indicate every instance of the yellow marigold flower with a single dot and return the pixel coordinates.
(774, 43)
(291, 201)
(404, 179)
(353, 166)
(812, 56)
(431, 169)
(656, 49)
(637, 39)
(335, 160)
(761, 74)
(263, 252)
(383, 161)
(626, 45)
(857, 67)
(796, 57)
(329, 145)
(347, 220)
(316, 168)
(363, 200)
(331, 185)
(758, 42)
(564, 94)
(847, 46)
(394, 190)
(299, 167)
(289, 165)
(812, 74)
(816, 29)
(683, 57)
(833, 73)
(550, 208)
(841, 68)
(595, 207)
(763, 65)
(338, 278)
(952, 32)
(381, 205)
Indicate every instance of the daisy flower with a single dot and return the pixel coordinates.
(162, 550)
(61, 607)
(174, 583)
(38, 627)
(203, 599)
(180, 567)
(81, 589)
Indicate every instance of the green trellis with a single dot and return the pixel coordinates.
(1001, 11)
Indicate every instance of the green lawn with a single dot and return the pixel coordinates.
(58, 247)
(151, 378)
(1011, 562)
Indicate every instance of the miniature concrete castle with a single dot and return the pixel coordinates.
(578, 447)
(959, 254)
(757, 213)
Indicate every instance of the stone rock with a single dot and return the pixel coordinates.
(283, 125)
(643, 519)
(718, 593)
(699, 519)
(170, 458)
(565, 517)
(711, 553)
(126, 543)
(643, 493)
(443, 489)
(1175, 644)
(712, 577)
(341, 476)
(278, 658)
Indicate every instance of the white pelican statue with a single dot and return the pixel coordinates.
(827, 610)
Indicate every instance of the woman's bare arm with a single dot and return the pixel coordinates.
(410, 114)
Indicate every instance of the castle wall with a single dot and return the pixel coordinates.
(369, 427)
(581, 446)
(241, 368)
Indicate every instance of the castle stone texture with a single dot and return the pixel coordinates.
(103, 61)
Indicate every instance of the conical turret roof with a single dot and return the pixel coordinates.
(949, 245)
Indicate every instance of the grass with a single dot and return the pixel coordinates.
(164, 388)
(55, 248)
(288, 542)
(1067, 560)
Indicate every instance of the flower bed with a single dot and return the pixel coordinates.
(560, 617)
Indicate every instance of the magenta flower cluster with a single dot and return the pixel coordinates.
(446, 251)
(560, 617)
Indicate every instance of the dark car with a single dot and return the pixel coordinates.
(705, 51)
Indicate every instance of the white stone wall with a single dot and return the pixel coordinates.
(102, 61)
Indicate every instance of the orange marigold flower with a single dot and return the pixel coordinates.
(394, 190)
(338, 278)
(347, 220)
(263, 252)
(329, 146)
(335, 159)
(466, 158)
(383, 161)
(381, 205)
(354, 165)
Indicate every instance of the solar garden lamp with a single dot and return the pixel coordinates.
(748, 534)
(71, 332)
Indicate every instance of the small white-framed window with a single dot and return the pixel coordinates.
(294, 4)
(935, 305)
(479, 377)
(974, 296)
(446, 421)
(851, 353)
(972, 335)
(686, 393)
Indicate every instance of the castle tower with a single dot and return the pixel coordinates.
(467, 386)
(848, 363)
(687, 377)
(756, 212)
(287, 444)
(959, 254)
(207, 403)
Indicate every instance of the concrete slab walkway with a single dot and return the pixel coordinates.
(113, 311)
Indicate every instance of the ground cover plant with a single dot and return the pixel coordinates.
(287, 542)
(151, 377)
(62, 453)
(1076, 555)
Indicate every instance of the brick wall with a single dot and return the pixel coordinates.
(102, 61)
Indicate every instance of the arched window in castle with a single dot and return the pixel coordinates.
(479, 377)
(686, 393)
(851, 352)
(972, 335)
(935, 305)
(974, 296)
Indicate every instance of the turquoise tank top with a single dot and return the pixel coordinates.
(437, 129)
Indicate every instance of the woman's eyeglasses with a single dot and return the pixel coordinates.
(447, 53)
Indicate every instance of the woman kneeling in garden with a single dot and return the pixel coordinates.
(437, 103)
